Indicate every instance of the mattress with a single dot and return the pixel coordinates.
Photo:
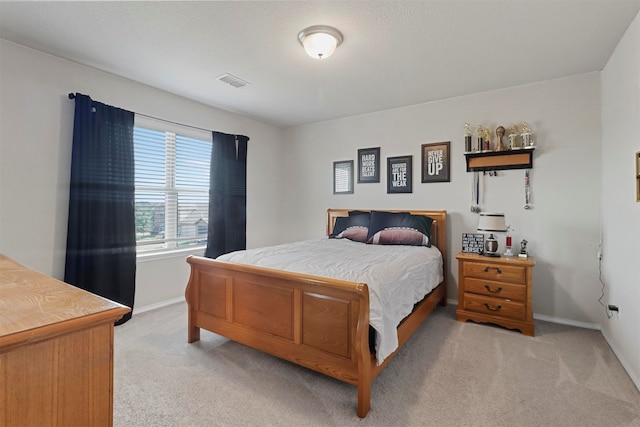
(397, 276)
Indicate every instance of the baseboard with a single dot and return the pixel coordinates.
(157, 305)
(623, 362)
(595, 326)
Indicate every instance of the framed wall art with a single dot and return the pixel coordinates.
(343, 177)
(368, 165)
(436, 162)
(399, 174)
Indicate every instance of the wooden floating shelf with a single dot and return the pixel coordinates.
(499, 160)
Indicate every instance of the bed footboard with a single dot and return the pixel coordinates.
(319, 323)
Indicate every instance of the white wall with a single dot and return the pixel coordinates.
(620, 211)
(36, 126)
(563, 226)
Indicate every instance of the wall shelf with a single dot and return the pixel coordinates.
(499, 160)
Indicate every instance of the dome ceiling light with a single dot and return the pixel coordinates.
(320, 41)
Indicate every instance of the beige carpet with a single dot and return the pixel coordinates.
(448, 374)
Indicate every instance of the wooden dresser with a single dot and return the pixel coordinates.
(56, 351)
(496, 290)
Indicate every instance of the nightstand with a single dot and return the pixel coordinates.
(495, 290)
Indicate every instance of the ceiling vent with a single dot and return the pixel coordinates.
(232, 80)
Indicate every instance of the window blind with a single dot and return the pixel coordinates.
(172, 185)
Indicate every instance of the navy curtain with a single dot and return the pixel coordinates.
(227, 195)
(101, 241)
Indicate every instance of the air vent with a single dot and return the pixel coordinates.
(232, 80)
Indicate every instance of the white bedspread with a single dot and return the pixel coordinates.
(397, 276)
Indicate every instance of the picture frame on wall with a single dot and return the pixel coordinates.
(368, 165)
(343, 177)
(399, 173)
(436, 162)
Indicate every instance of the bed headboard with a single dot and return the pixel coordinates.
(438, 227)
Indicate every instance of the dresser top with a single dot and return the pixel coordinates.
(34, 306)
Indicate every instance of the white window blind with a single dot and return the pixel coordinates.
(172, 185)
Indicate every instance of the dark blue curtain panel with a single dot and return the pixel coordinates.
(101, 241)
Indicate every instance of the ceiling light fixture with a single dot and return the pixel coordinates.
(320, 41)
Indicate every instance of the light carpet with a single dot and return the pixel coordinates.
(448, 374)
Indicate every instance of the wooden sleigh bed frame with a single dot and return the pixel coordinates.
(315, 322)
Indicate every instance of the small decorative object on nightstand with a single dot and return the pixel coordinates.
(507, 243)
(523, 249)
(496, 290)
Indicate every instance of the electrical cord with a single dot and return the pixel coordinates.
(606, 311)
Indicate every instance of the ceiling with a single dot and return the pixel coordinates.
(394, 54)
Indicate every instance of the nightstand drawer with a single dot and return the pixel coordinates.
(494, 307)
(499, 272)
(496, 289)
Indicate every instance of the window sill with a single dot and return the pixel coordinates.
(173, 253)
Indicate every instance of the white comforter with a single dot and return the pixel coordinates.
(397, 276)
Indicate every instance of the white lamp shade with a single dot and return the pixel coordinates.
(491, 222)
(320, 41)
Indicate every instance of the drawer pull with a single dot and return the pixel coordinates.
(497, 291)
(486, 269)
(493, 307)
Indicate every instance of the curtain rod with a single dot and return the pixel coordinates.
(73, 95)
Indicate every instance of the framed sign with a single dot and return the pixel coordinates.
(473, 243)
(399, 174)
(343, 177)
(368, 165)
(436, 162)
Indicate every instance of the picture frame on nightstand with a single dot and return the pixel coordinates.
(472, 243)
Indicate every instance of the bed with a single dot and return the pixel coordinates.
(317, 322)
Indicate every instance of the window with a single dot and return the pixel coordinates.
(172, 185)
